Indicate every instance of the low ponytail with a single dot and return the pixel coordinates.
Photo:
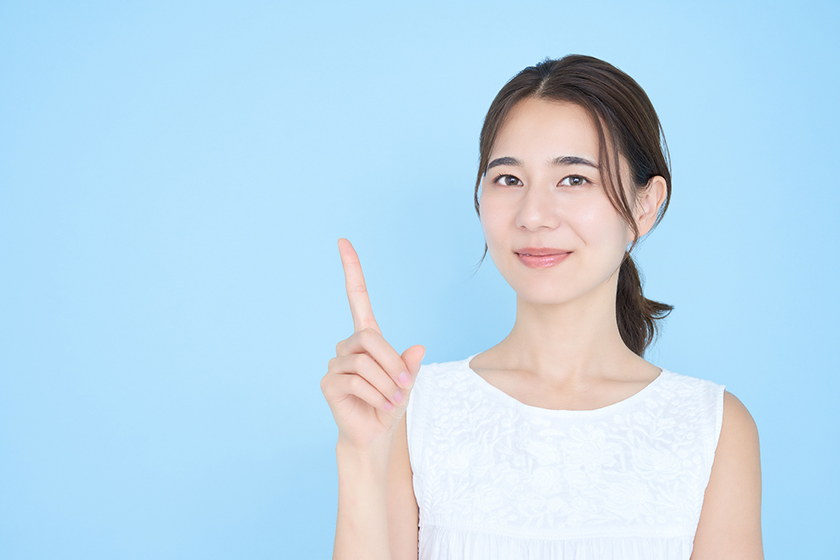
(636, 315)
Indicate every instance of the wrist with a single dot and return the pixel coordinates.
(372, 460)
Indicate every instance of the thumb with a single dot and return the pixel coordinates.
(412, 358)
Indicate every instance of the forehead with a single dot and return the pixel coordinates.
(542, 129)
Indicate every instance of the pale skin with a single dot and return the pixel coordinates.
(542, 190)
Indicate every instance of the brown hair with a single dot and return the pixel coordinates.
(627, 127)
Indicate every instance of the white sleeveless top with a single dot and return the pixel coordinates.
(497, 479)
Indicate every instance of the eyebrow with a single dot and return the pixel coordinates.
(561, 160)
(503, 161)
(573, 160)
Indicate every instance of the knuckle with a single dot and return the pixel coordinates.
(368, 336)
(396, 367)
(361, 361)
(359, 287)
(355, 384)
(341, 349)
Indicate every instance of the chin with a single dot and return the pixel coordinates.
(546, 295)
(558, 292)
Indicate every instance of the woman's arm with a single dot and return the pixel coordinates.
(361, 530)
(367, 386)
(403, 513)
(377, 511)
(376, 519)
(730, 521)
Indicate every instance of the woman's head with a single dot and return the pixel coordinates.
(624, 117)
(629, 153)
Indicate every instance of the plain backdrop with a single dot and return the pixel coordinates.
(173, 180)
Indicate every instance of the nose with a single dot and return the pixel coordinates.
(537, 209)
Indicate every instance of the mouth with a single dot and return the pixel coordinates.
(541, 257)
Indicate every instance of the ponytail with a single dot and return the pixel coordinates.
(636, 315)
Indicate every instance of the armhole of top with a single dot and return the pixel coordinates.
(718, 392)
(721, 391)
(416, 394)
(415, 427)
(712, 438)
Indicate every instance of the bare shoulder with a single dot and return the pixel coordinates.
(738, 423)
(403, 513)
(730, 521)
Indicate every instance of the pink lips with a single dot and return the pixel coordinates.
(541, 257)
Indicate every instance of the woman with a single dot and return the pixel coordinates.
(561, 441)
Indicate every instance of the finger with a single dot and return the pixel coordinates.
(371, 343)
(357, 293)
(365, 367)
(412, 358)
(357, 386)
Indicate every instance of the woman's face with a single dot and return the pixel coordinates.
(549, 226)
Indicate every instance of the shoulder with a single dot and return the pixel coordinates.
(678, 380)
(696, 398)
(434, 387)
(738, 442)
(737, 453)
(442, 374)
(447, 366)
(730, 521)
(738, 423)
(736, 434)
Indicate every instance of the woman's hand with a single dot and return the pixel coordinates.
(368, 383)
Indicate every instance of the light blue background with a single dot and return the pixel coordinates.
(173, 179)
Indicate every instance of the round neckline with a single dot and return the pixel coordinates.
(501, 395)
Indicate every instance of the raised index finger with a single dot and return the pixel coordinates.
(357, 293)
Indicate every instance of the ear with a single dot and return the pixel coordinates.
(648, 203)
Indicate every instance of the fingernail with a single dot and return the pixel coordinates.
(388, 406)
(398, 396)
(405, 379)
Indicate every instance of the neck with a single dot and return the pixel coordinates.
(576, 341)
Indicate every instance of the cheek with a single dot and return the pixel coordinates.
(492, 219)
(603, 225)
(495, 223)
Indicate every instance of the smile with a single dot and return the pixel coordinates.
(541, 257)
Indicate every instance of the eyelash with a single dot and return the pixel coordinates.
(581, 177)
(519, 181)
(498, 178)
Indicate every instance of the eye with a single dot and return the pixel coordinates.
(574, 181)
(508, 181)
